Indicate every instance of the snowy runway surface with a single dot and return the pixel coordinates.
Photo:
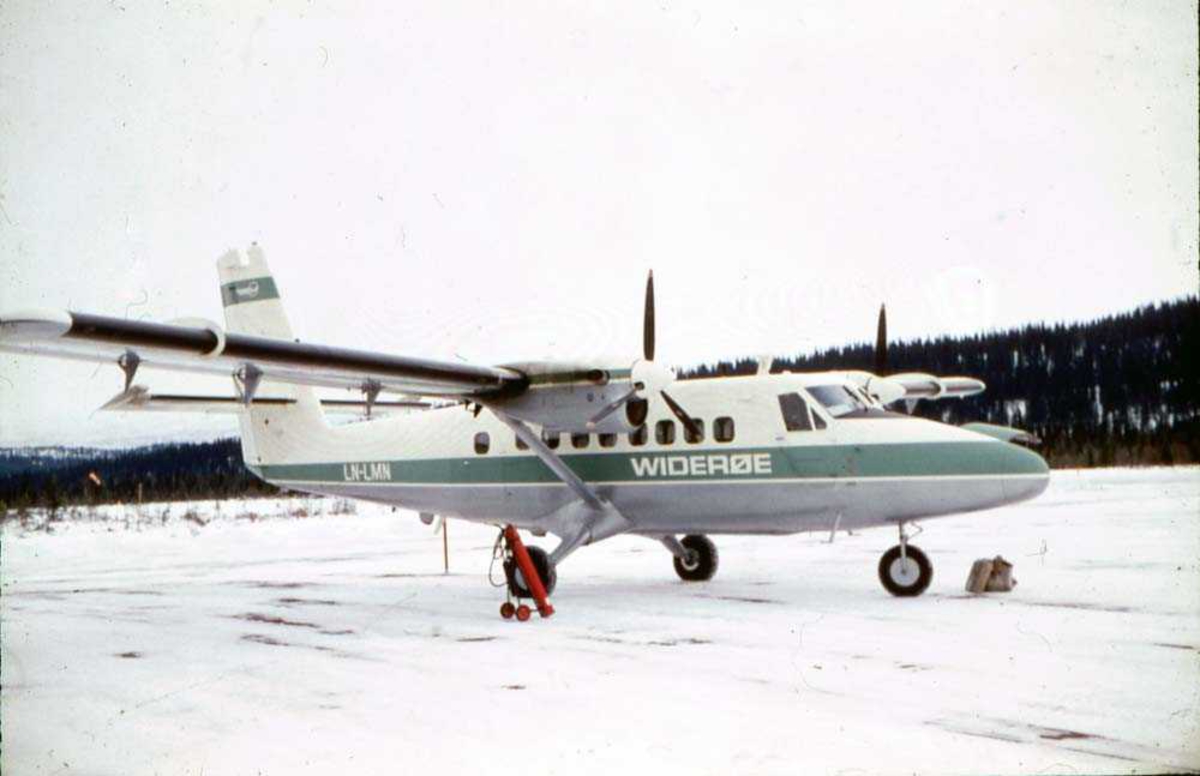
(222, 644)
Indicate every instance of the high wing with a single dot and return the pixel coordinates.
(204, 347)
(915, 386)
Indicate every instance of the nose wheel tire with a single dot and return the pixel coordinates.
(701, 563)
(545, 569)
(906, 574)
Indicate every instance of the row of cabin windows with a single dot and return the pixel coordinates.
(797, 416)
(664, 434)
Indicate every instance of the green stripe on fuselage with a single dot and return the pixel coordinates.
(249, 290)
(683, 464)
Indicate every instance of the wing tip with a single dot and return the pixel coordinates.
(34, 323)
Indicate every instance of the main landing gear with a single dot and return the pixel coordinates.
(528, 573)
(904, 570)
(695, 557)
(541, 563)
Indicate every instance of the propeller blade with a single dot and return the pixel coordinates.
(693, 428)
(648, 320)
(881, 342)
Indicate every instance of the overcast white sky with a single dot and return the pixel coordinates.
(494, 180)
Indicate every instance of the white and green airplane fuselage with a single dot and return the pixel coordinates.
(865, 468)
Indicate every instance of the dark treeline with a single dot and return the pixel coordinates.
(1121, 390)
(172, 471)
(1124, 389)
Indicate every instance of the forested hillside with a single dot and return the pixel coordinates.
(52, 477)
(1124, 389)
(1121, 390)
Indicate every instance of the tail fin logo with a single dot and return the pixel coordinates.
(246, 290)
(249, 290)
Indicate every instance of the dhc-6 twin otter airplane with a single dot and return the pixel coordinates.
(584, 451)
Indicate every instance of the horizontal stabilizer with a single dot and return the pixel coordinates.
(139, 399)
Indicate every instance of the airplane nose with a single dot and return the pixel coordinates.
(1028, 473)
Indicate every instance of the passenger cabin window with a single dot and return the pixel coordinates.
(795, 412)
(693, 439)
(580, 441)
(608, 440)
(482, 443)
(723, 429)
(664, 432)
(551, 439)
(637, 437)
(838, 400)
(521, 444)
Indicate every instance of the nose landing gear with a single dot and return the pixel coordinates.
(904, 570)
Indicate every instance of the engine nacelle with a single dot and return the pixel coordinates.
(566, 397)
(213, 328)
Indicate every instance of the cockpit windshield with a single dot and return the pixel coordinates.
(837, 399)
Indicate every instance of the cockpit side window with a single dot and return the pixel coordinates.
(795, 412)
(838, 400)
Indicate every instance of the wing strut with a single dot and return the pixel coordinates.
(581, 522)
(560, 469)
(129, 361)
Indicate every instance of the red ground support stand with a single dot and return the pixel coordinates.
(532, 581)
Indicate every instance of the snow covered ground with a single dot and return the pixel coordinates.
(334, 644)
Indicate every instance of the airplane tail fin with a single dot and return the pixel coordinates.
(250, 296)
(279, 433)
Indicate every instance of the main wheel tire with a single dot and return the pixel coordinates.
(545, 569)
(702, 564)
(905, 576)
